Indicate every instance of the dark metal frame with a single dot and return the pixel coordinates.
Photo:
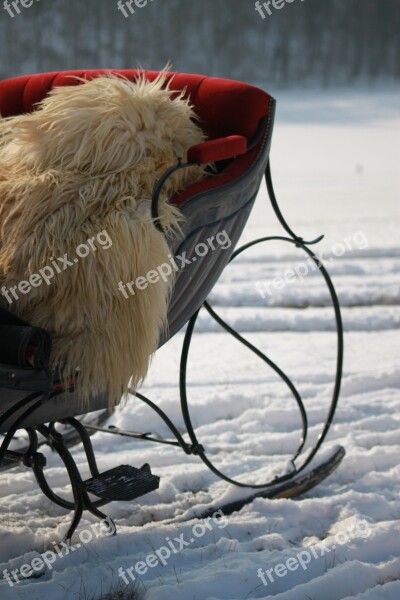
(299, 243)
(195, 447)
(35, 460)
(22, 410)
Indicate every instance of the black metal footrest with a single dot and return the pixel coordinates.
(123, 483)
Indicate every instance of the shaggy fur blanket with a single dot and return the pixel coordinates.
(78, 173)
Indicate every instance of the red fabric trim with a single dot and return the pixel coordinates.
(215, 150)
(234, 170)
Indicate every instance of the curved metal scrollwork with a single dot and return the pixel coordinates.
(300, 243)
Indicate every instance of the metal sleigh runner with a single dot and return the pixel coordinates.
(237, 120)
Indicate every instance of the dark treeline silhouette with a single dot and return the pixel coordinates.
(325, 41)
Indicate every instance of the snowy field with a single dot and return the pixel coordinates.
(335, 162)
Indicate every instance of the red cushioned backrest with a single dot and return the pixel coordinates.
(224, 107)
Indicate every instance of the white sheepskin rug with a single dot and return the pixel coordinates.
(82, 167)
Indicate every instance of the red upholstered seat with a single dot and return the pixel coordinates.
(225, 108)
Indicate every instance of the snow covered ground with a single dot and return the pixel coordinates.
(335, 161)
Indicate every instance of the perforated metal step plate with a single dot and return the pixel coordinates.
(123, 483)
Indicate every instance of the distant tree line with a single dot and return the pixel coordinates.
(328, 41)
